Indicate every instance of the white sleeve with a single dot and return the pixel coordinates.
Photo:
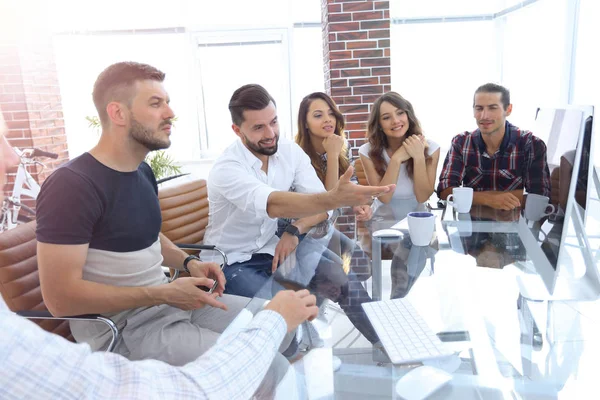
(305, 178)
(433, 146)
(37, 360)
(364, 150)
(238, 185)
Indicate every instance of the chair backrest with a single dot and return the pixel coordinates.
(19, 278)
(360, 172)
(184, 210)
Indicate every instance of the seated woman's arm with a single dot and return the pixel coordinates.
(424, 168)
(391, 173)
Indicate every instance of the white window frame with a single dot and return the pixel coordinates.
(241, 37)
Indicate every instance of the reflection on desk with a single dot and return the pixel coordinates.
(488, 235)
(518, 348)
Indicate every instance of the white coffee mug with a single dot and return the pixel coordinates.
(461, 199)
(536, 207)
(420, 227)
(464, 225)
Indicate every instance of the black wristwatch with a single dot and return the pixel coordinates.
(292, 230)
(187, 260)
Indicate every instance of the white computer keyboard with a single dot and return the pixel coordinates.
(404, 334)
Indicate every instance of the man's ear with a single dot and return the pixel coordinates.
(117, 113)
(508, 110)
(236, 129)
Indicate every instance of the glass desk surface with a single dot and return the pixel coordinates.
(464, 284)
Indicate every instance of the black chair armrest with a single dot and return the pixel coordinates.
(168, 178)
(31, 314)
(46, 315)
(198, 247)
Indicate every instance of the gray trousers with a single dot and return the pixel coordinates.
(177, 337)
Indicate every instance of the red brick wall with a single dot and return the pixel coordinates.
(356, 38)
(31, 103)
(356, 46)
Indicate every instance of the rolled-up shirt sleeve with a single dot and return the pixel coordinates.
(454, 166)
(306, 179)
(238, 185)
(537, 173)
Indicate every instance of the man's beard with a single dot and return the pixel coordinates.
(146, 136)
(266, 151)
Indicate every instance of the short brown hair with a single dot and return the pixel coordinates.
(116, 81)
(248, 97)
(495, 88)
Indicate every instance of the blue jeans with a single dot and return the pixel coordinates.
(248, 277)
(318, 269)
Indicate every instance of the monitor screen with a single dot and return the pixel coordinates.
(568, 136)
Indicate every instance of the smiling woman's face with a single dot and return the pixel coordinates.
(393, 120)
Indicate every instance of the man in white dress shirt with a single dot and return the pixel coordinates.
(248, 189)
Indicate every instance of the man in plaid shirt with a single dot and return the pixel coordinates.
(498, 159)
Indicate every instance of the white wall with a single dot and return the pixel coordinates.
(80, 58)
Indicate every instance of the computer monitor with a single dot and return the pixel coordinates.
(592, 215)
(560, 128)
(558, 243)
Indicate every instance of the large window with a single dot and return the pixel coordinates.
(307, 66)
(586, 88)
(437, 66)
(207, 50)
(536, 42)
(229, 60)
(442, 8)
(80, 58)
(259, 56)
(442, 51)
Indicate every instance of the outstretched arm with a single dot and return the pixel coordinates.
(345, 193)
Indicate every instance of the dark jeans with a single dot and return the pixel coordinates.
(330, 281)
(318, 268)
(247, 278)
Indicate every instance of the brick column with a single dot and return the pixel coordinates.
(356, 38)
(31, 103)
(356, 47)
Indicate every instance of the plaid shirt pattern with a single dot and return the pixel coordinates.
(37, 364)
(519, 163)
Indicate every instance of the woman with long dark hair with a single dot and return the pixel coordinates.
(321, 136)
(397, 152)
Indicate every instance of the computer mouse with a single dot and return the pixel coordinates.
(387, 233)
(420, 382)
